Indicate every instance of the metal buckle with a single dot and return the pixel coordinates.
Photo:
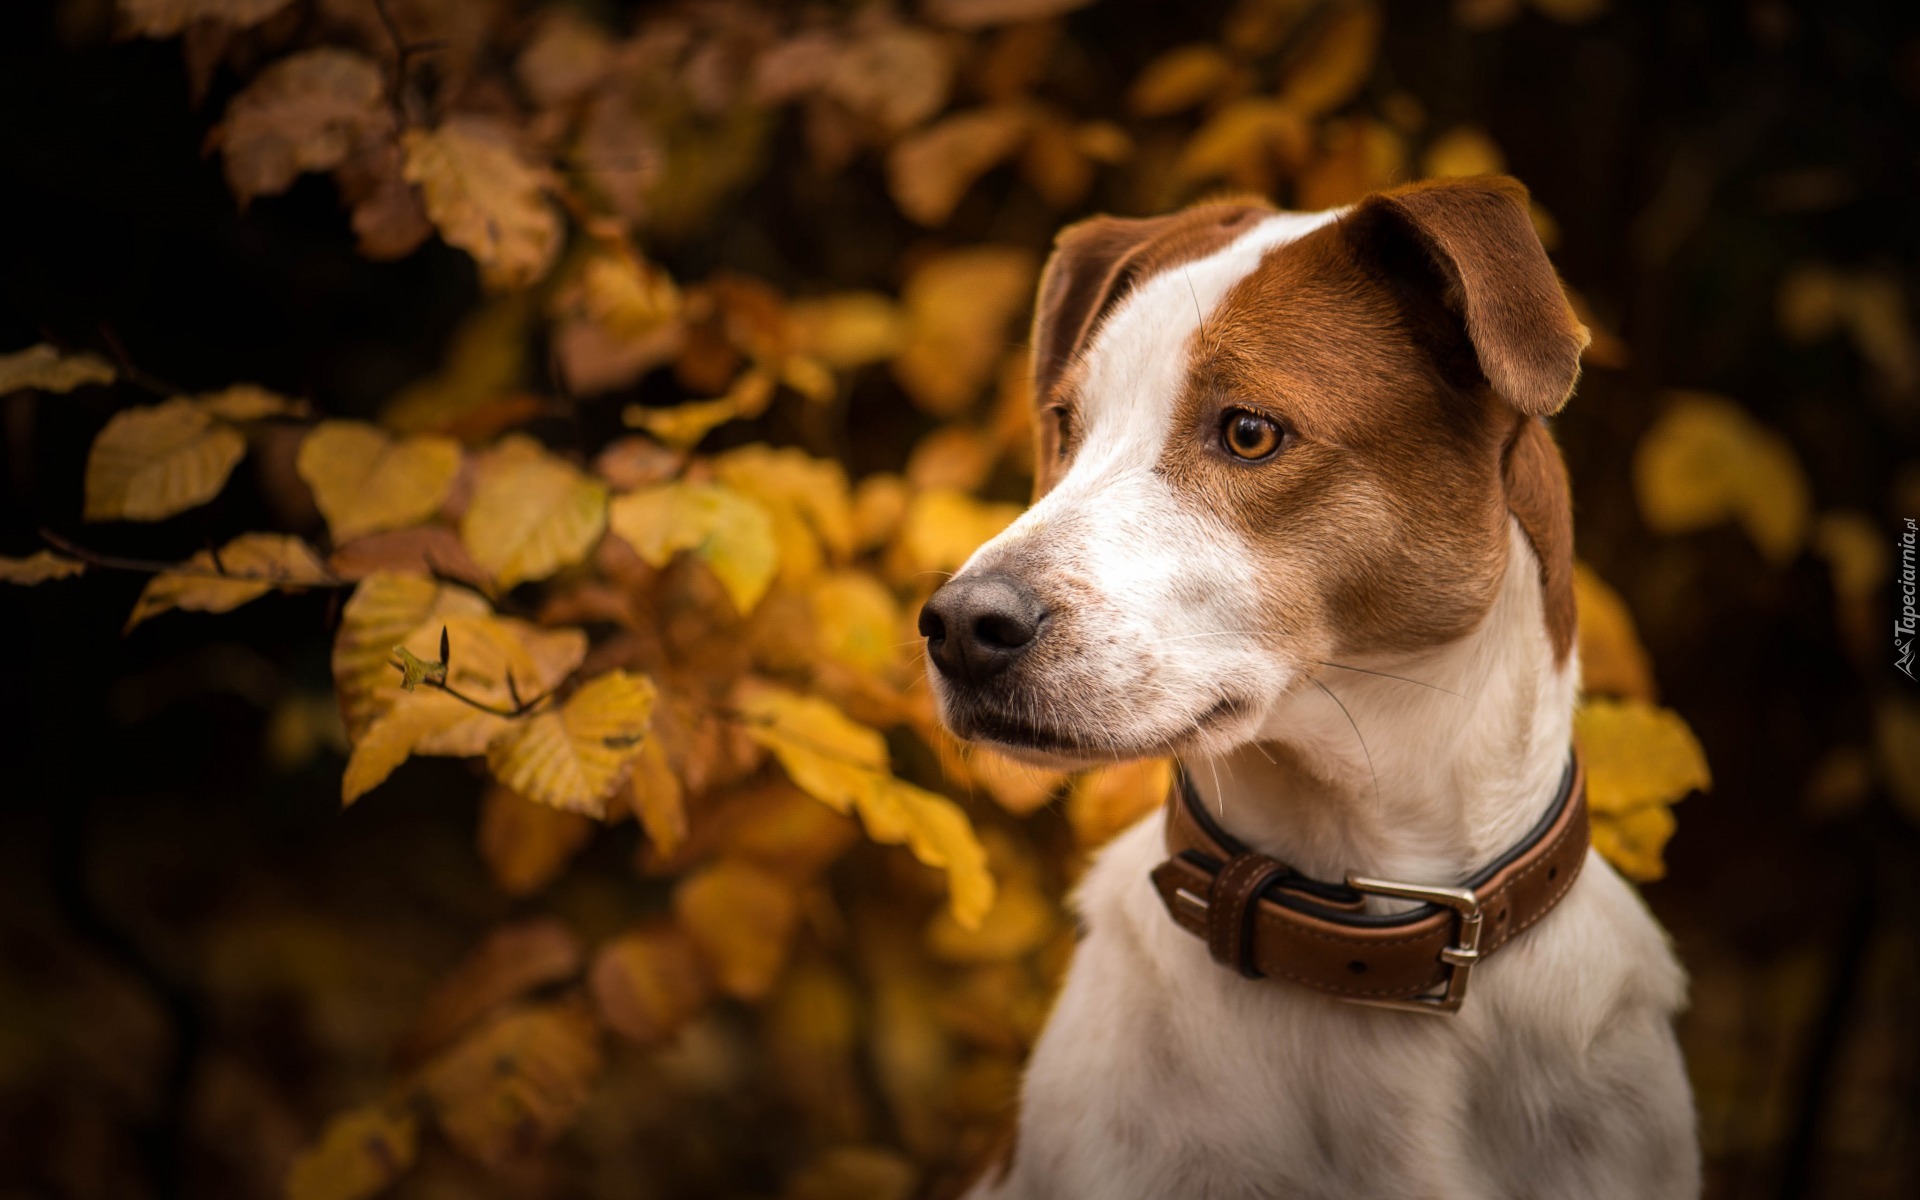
(1460, 956)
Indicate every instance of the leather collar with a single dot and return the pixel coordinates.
(1267, 920)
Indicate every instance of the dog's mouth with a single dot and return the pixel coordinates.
(982, 723)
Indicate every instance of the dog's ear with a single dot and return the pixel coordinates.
(1469, 245)
(1089, 271)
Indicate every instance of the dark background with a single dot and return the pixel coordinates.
(1691, 154)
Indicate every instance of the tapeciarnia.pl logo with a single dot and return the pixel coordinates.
(1904, 623)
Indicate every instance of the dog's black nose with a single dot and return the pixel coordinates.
(977, 625)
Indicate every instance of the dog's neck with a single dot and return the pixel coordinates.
(1454, 769)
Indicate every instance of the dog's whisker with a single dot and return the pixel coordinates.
(1356, 733)
(1388, 675)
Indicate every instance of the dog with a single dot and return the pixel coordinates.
(1299, 522)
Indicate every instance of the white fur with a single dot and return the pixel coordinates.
(1162, 1074)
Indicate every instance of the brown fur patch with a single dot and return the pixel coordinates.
(1538, 495)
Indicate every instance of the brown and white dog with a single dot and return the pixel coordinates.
(1299, 522)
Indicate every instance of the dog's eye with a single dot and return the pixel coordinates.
(1062, 421)
(1248, 435)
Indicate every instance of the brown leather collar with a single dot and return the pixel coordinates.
(1264, 919)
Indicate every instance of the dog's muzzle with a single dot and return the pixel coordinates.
(977, 626)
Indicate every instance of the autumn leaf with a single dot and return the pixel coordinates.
(1109, 800)
(894, 76)
(959, 305)
(484, 199)
(973, 14)
(1338, 60)
(1706, 461)
(572, 758)
(42, 368)
(150, 463)
(361, 1153)
(517, 1084)
(1462, 151)
(1178, 80)
(39, 567)
(943, 528)
(1612, 660)
(509, 962)
(1639, 760)
(532, 512)
(483, 365)
(495, 661)
(165, 18)
(647, 984)
(731, 534)
(929, 172)
(741, 918)
(248, 567)
(844, 765)
(807, 498)
(1020, 922)
(1249, 143)
(684, 425)
(856, 1172)
(382, 613)
(248, 402)
(855, 620)
(526, 845)
(657, 798)
(364, 481)
(847, 329)
(306, 112)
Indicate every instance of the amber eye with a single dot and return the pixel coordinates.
(1249, 435)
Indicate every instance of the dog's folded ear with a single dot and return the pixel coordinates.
(1096, 262)
(1472, 241)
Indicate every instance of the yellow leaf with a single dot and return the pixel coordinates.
(807, 498)
(249, 567)
(484, 361)
(306, 112)
(42, 368)
(1248, 143)
(960, 305)
(628, 297)
(150, 463)
(974, 14)
(943, 528)
(1109, 800)
(1706, 461)
(742, 919)
(361, 1154)
(532, 512)
(1336, 63)
(847, 329)
(1020, 922)
(573, 758)
(1179, 79)
(564, 58)
(855, 620)
(484, 199)
(492, 660)
(648, 984)
(1638, 757)
(1462, 151)
(384, 611)
(953, 456)
(930, 171)
(526, 845)
(657, 799)
(165, 18)
(1612, 660)
(517, 1084)
(855, 1172)
(1018, 787)
(1855, 551)
(364, 481)
(684, 425)
(844, 765)
(812, 1032)
(248, 402)
(894, 76)
(731, 534)
(39, 567)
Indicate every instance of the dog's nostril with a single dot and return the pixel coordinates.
(931, 626)
(1004, 631)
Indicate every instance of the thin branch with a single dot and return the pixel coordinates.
(521, 708)
(405, 52)
(152, 566)
(131, 372)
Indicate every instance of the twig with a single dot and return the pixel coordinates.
(130, 372)
(150, 566)
(404, 53)
(520, 707)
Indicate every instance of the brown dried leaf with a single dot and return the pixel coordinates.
(517, 1084)
(648, 984)
(308, 112)
(362, 1152)
(1179, 79)
(165, 18)
(976, 14)
(507, 964)
(929, 172)
(892, 76)
(484, 199)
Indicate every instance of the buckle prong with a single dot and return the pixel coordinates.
(1459, 957)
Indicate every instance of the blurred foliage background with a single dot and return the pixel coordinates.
(551, 249)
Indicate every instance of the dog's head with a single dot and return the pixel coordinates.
(1266, 441)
